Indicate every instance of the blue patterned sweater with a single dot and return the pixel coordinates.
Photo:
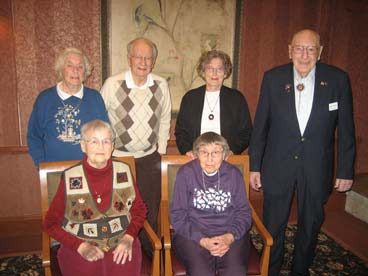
(54, 125)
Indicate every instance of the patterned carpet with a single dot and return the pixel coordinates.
(331, 259)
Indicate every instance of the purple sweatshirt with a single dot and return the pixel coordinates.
(207, 206)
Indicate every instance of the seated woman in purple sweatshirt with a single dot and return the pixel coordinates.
(210, 213)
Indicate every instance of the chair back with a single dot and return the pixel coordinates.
(170, 165)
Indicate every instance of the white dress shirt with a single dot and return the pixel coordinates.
(304, 98)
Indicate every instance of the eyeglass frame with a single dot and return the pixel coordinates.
(94, 142)
(299, 49)
(214, 154)
(212, 70)
(140, 58)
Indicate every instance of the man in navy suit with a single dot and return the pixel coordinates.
(301, 107)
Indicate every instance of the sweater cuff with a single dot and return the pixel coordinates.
(162, 147)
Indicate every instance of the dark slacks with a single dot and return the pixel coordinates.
(276, 211)
(199, 262)
(71, 263)
(149, 184)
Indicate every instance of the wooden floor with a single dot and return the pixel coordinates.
(348, 231)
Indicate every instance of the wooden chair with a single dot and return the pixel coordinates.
(257, 265)
(50, 173)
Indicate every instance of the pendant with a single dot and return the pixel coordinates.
(99, 200)
(300, 87)
(211, 116)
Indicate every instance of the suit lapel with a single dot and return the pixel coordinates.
(291, 102)
(317, 100)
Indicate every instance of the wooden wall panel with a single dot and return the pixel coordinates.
(9, 131)
(348, 50)
(19, 185)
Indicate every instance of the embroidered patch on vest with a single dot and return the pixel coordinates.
(119, 205)
(72, 228)
(87, 213)
(122, 177)
(115, 225)
(90, 229)
(75, 183)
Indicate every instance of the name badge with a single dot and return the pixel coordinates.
(333, 106)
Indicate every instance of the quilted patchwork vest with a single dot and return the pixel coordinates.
(82, 217)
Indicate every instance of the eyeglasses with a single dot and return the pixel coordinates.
(311, 50)
(94, 142)
(212, 70)
(79, 67)
(214, 154)
(140, 58)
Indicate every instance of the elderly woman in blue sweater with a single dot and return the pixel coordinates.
(210, 213)
(60, 111)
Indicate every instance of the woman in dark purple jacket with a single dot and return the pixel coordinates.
(210, 213)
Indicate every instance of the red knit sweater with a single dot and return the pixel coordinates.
(100, 182)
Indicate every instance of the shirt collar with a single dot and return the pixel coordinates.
(131, 84)
(308, 78)
(64, 96)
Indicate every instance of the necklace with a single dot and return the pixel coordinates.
(99, 199)
(218, 181)
(211, 116)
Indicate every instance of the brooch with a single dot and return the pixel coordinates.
(288, 88)
(323, 83)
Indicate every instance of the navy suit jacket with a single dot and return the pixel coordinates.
(235, 121)
(277, 148)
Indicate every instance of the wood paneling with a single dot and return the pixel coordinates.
(9, 129)
(19, 185)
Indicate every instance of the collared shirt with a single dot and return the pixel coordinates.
(304, 98)
(64, 96)
(131, 84)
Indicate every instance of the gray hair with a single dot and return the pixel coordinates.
(208, 138)
(206, 58)
(96, 125)
(149, 43)
(60, 62)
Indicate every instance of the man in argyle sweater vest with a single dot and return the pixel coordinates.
(139, 109)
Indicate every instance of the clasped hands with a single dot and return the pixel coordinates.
(218, 245)
(121, 253)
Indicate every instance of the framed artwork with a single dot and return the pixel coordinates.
(181, 29)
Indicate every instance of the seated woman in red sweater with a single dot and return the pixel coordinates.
(97, 211)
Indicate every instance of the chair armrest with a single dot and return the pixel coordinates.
(165, 225)
(267, 242)
(156, 244)
(46, 262)
(164, 208)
